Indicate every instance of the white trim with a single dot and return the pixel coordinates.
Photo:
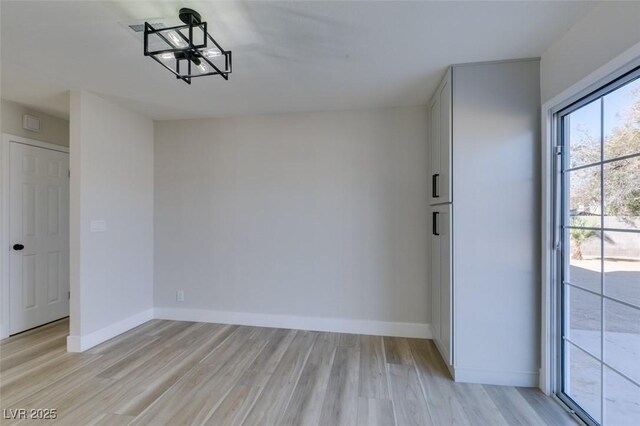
(5, 316)
(82, 343)
(4, 242)
(375, 328)
(336, 325)
(547, 329)
(493, 377)
(610, 71)
(36, 143)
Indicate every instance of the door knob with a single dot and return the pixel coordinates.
(18, 247)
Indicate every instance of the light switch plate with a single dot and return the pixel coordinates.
(98, 226)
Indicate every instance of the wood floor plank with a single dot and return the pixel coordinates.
(478, 406)
(130, 394)
(373, 381)
(375, 412)
(66, 398)
(38, 395)
(26, 367)
(189, 335)
(154, 385)
(173, 328)
(128, 390)
(397, 351)
(550, 413)
(195, 396)
(265, 333)
(228, 347)
(305, 405)
(110, 419)
(513, 406)
(272, 402)
(349, 340)
(31, 353)
(409, 403)
(130, 363)
(19, 386)
(263, 367)
(443, 402)
(33, 337)
(235, 407)
(341, 400)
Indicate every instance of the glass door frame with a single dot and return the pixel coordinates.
(560, 238)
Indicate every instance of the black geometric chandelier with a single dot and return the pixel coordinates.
(188, 50)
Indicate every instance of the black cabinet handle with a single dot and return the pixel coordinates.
(434, 219)
(18, 247)
(434, 186)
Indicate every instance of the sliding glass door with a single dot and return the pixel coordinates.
(599, 295)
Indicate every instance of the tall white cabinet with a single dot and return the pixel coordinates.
(484, 144)
(440, 198)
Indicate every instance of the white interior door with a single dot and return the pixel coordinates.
(39, 236)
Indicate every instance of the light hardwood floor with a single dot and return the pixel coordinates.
(171, 372)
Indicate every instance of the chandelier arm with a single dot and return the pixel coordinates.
(172, 71)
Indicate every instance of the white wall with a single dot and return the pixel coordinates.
(313, 215)
(605, 32)
(54, 130)
(111, 180)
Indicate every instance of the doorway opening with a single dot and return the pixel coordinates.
(35, 282)
(598, 275)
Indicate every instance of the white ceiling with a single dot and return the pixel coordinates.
(287, 56)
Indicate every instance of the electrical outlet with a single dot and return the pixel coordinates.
(180, 296)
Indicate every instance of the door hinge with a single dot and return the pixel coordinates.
(69, 173)
(69, 295)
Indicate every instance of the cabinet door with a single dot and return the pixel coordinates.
(444, 180)
(435, 275)
(446, 284)
(434, 151)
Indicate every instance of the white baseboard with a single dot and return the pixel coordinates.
(87, 341)
(528, 379)
(337, 325)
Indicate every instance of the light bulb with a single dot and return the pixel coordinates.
(212, 53)
(166, 56)
(202, 68)
(175, 39)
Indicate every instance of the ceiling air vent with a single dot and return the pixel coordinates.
(136, 28)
